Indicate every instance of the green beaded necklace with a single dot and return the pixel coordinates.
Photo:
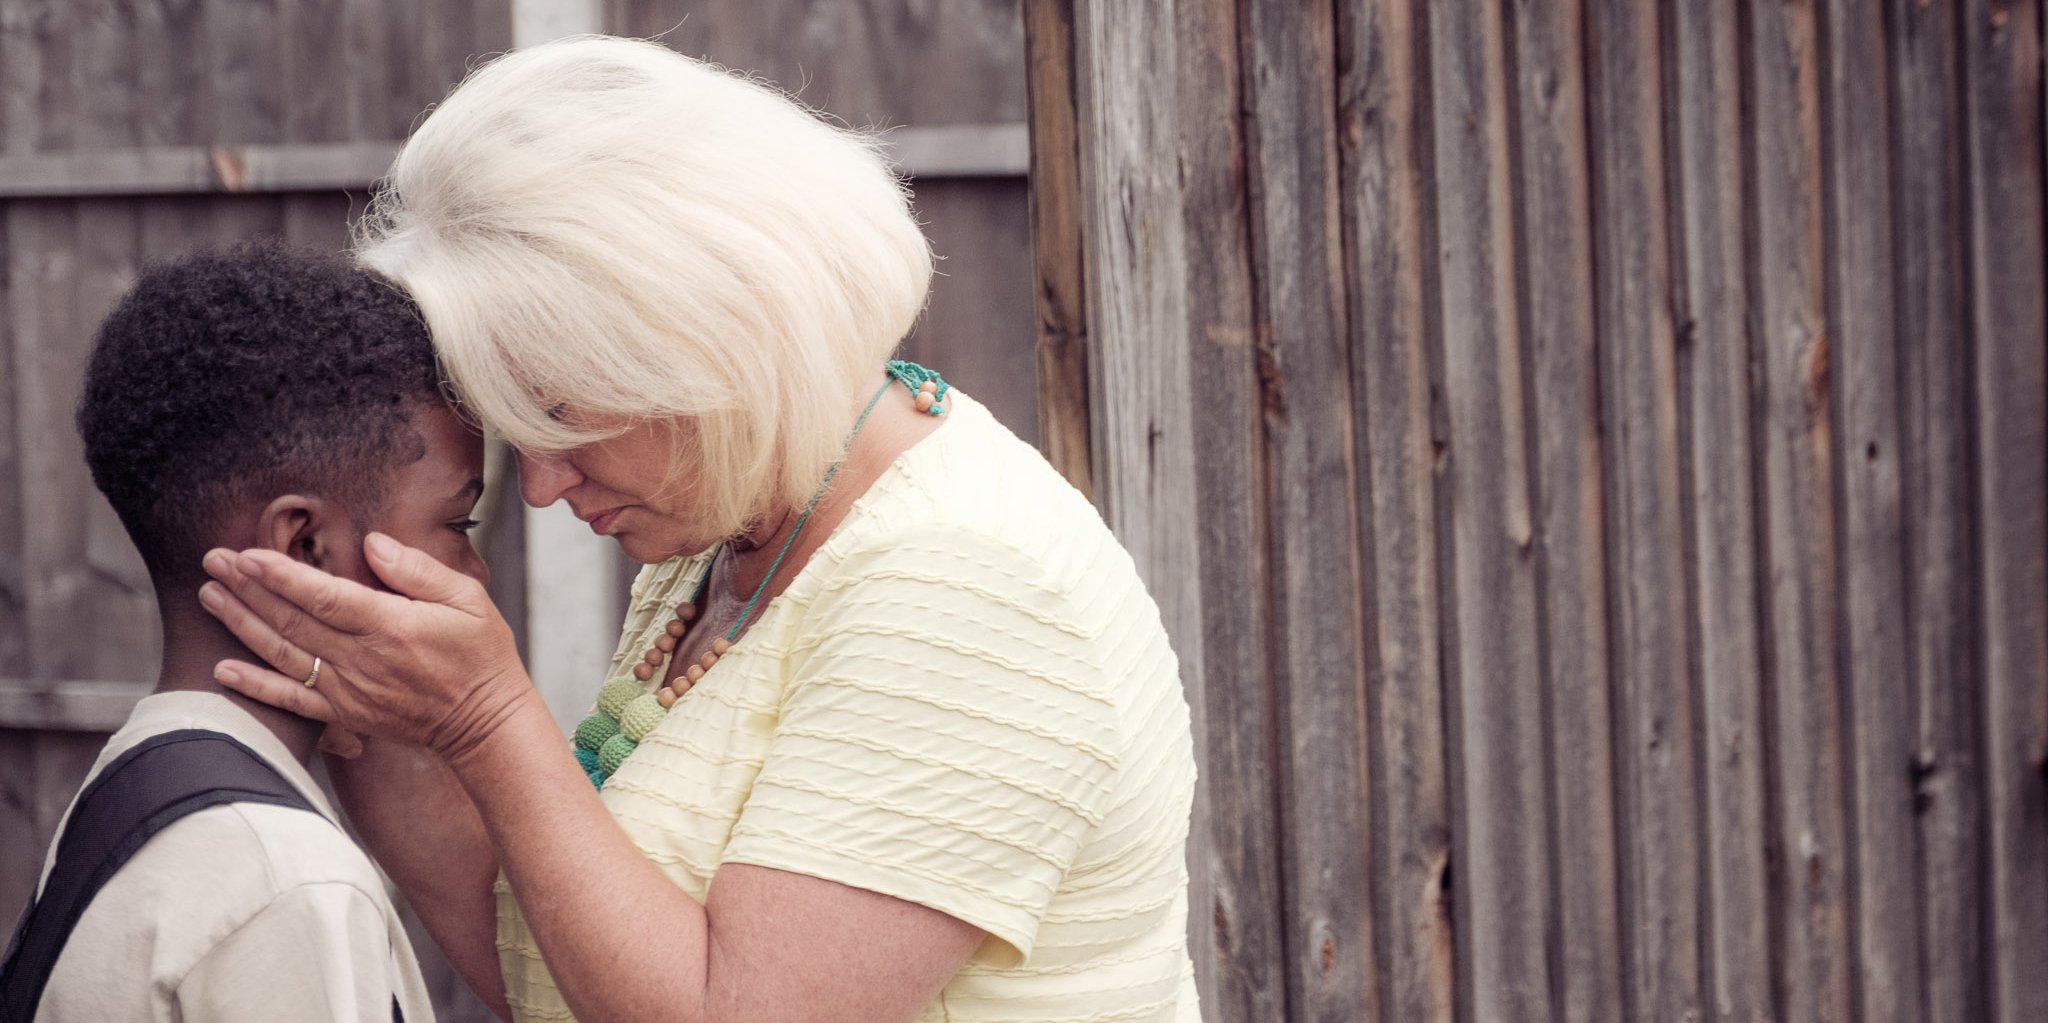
(625, 711)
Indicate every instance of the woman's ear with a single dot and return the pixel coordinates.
(300, 527)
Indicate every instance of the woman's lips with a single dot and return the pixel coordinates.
(602, 524)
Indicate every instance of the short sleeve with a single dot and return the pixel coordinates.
(945, 738)
(318, 952)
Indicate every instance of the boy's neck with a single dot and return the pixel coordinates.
(193, 643)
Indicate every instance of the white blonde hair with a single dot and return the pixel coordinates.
(605, 225)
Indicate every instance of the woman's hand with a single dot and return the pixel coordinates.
(432, 663)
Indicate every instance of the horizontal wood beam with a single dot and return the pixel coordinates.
(946, 151)
(68, 704)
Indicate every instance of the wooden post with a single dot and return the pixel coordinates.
(574, 597)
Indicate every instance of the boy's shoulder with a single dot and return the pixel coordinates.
(214, 877)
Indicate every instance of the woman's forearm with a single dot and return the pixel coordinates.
(620, 939)
(415, 818)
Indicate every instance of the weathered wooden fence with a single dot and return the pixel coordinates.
(1593, 455)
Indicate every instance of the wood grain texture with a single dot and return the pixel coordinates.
(1059, 259)
(1657, 715)
(1288, 53)
(1131, 230)
(2002, 79)
(1809, 842)
(876, 63)
(1871, 633)
(1493, 662)
(1563, 373)
(1237, 916)
(1717, 400)
(977, 329)
(1384, 152)
(1936, 483)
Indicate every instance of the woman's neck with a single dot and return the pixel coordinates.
(894, 427)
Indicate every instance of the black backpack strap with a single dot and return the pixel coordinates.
(145, 790)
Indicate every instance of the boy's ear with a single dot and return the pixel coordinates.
(300, 527)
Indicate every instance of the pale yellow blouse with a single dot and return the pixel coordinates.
(965, 699)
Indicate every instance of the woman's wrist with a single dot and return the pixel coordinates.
(496, 716)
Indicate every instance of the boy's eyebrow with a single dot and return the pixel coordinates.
(470, 491)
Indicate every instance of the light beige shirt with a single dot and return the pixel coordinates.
(965, 699)
(237, 912)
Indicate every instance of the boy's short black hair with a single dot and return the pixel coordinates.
(226, 377)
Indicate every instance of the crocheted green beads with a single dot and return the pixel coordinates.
(641, 716)
(613, 753)
(612, 699)
(594, 730)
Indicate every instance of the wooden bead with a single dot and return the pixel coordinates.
(924, 401)
(664, 643)
(676, 628)
(643, 672)
(708, 659)
(667, 698)
(929, 387)
(720, 645)
(696, 672)
(686, 611)
(654, 656)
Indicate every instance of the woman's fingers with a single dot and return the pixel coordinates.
(255, 630)
(416, 574)
(293, 596)
(266, 686)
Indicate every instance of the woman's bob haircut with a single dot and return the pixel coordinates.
(606, 228)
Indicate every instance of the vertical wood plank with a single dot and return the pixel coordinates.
(21, 855)
(1657, 754)
(1563, 375)
(1883, 929)
(1299, 337)
(170, 51)
(977, 328)
(366, 41)
(1715, 392)
(1935, 458)
(1383, 144)
(1788, 298)
(2002, 138)
(1127, 117)
(1059, 258)
(1504, 903)
(1239, 928)
(15, 658)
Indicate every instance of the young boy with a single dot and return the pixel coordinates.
(259, 397)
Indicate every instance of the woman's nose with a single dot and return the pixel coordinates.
(543, 479)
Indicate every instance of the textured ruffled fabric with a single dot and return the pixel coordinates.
(965, 699)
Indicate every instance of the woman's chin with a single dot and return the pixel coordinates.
(653, 550)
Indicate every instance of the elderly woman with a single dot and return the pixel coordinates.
(894, 731)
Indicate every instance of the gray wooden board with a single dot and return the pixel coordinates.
(1237, 928)
(14, 601)
(1715, 393)
(977, 329)
(1505, 904)
(1384, 152)
(1872, 629)
(1302, 354)
(1657, 743)
(1563, 371)
(1792, 339)
(1935, 455)
(853, 59)
(2002, 125)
